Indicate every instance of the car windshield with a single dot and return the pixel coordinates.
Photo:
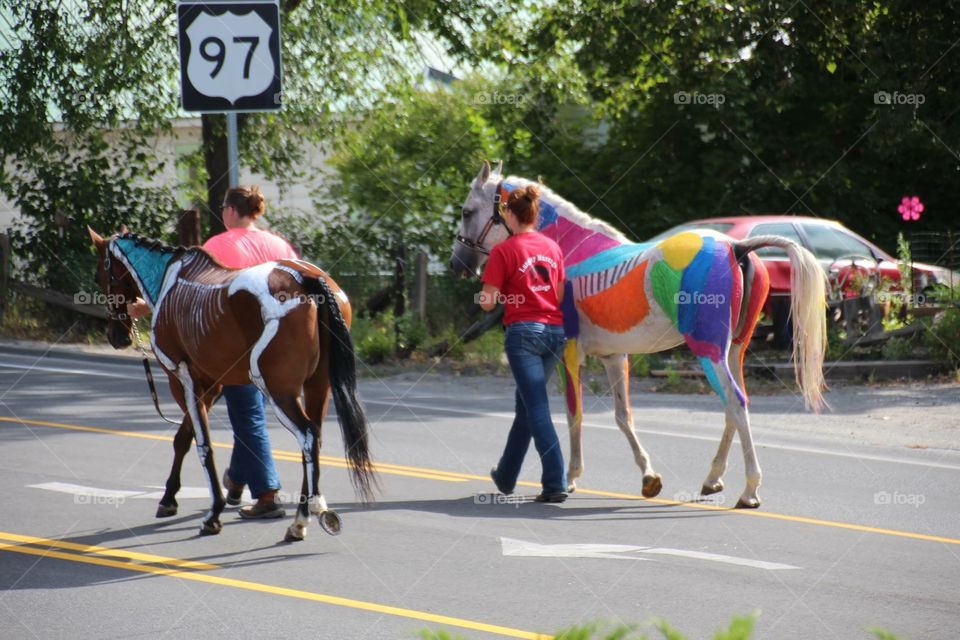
(830, 243)
(722, 227)
(782, 229)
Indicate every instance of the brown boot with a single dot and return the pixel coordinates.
(266, 507)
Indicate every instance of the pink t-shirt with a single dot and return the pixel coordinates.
(240, 248)
(527, 268)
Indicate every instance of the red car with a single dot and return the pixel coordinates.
(840, 251)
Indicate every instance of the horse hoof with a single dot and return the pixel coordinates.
(291, 536)
(752, 503)
(211, 528)
(652, 486)
(709, 490)
(331, 522)
(165, 511)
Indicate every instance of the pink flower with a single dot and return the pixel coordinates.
(910, 208)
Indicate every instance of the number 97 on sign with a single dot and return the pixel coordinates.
(229, 55)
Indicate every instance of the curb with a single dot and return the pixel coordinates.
(856, 370)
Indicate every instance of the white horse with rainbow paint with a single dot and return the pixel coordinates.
(704, 289)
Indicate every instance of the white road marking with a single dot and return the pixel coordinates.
(185, 493)
(562, 419)
(74, 372)
(522, 548)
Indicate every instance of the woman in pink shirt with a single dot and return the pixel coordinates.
(242, 245)
(525, 272)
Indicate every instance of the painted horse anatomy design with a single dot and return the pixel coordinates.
(282, 325)
(704, 289)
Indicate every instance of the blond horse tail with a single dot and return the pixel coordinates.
(808, 305)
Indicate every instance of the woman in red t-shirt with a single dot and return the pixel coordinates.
(525, 273)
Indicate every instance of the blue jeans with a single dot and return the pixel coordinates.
(251, 462)
(533, 350)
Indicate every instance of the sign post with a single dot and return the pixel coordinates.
(230, 60)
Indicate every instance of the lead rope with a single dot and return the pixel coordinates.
(146, 369)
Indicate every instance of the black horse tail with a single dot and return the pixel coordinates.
(343, 384)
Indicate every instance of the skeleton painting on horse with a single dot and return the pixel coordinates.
(282, 325)
(701, 288)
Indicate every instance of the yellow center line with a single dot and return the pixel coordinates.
(291, 456)
(103, 551)
(453, 476)
(363, 605)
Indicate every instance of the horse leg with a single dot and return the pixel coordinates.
(714, 482)
(618, 374)
(198, 400)
(736, 414)
(316, 398)
(181, 445)
(307, 432)
(572, 366)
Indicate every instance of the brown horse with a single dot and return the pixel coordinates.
(282, 325)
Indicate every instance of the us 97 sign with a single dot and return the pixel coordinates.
(229, 55)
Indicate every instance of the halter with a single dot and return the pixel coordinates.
(499, 200)
(113, 280)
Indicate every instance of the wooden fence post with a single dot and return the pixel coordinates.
(420, 292)
(4, 272)
(188, 228)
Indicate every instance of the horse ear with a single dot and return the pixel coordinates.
(123, 229)
(94, 237)
(481, 178)
(499, 170)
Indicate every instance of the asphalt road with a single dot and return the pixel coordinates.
(859, 527)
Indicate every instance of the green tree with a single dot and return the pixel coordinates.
(763, 106)
(87, 85)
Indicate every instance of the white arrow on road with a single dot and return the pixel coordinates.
(117, 494)
(513, 547)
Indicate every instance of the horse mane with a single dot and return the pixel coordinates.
(157, 246)
(568, 210)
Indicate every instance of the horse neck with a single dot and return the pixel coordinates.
(147, 265)
(578, 235)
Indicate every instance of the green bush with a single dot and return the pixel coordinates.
(374, 339)
(899, 349)
(943, 338)
(741, 628)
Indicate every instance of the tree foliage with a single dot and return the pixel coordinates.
(763, 106)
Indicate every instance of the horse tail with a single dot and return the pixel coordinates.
(808, 304)
(342, 369)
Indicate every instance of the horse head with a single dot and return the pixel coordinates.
(118, 289)
(481, 226)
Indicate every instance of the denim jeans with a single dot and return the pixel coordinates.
(251, 462)
(533, 349)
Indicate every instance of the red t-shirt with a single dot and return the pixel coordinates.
(527, 268)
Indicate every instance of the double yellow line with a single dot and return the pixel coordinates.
(452, 476)
(190, 570)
